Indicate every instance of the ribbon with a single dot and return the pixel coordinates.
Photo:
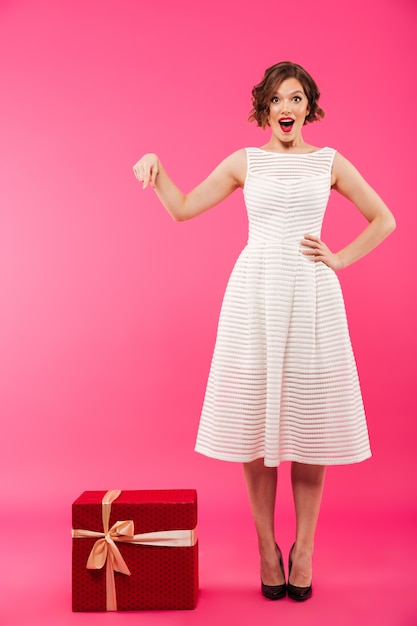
(106, 552)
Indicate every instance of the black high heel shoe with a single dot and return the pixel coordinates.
(297, 593)
(275, 592)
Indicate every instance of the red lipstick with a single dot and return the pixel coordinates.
(286, 124)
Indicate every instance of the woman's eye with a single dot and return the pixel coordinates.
(297, 99)
(274, 100)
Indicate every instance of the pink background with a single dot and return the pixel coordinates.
(109, 308)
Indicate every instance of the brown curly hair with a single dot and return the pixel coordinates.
(273, 77)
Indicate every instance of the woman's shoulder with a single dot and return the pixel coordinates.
(236, 160)
(234, 165)
(238, 156)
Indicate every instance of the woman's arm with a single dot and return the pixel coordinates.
(227, 177)
(348, 181)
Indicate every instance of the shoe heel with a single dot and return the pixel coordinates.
(275, 592)
(297, 593)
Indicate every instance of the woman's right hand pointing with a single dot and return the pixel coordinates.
(147, 169)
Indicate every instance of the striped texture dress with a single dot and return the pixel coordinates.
(283, 384)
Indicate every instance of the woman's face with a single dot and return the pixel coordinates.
(288, 108)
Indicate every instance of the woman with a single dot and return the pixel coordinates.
(283, 384)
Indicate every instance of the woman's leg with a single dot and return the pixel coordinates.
(262, 487)
(307, 485)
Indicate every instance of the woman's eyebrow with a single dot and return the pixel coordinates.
(276, 93)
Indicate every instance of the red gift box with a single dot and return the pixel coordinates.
(135, 550)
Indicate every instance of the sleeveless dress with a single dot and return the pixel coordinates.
(283, 383)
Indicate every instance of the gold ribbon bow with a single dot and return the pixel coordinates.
(106, 552)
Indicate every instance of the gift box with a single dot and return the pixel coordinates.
(135, 550)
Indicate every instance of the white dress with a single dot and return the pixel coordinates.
(283, 383)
